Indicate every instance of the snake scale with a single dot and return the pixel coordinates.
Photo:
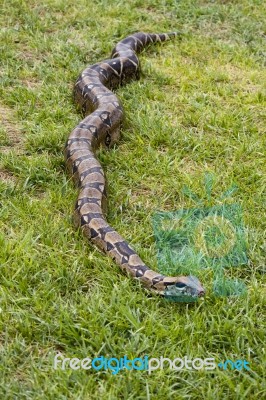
(101, 126)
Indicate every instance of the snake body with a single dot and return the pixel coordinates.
(101, 126)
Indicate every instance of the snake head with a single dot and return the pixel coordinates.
(185, 289)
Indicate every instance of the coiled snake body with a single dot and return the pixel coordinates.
(93, 94)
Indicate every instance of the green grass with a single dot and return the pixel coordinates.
(197, 109)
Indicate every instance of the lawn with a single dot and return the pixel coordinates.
(197, 111)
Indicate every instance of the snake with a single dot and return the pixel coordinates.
(103, 113)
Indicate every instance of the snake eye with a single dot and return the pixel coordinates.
(107, 140)
(180, 285)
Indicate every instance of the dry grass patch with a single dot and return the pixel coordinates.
(10, 125)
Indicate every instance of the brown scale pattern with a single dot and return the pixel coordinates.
(101, 126)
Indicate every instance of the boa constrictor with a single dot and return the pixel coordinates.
(93, 93)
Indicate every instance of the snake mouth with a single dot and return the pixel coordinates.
(187, 294)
